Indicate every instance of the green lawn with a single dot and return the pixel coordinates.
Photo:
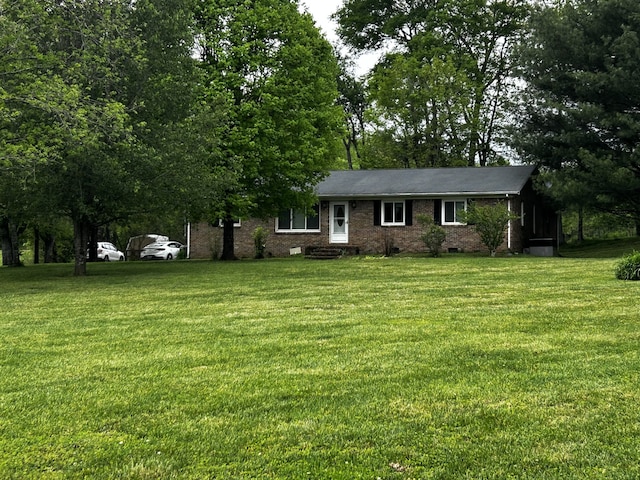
(361, 368)
(602, 248)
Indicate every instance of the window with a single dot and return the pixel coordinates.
(451, 209)
(299, 220)
(393, 213)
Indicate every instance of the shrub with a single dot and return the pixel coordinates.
(433, 235)
(260, 241)
(490, 222)
(389, 244)
(628, 268)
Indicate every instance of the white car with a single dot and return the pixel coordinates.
(161, 251)
(109, 253)
(137, 243)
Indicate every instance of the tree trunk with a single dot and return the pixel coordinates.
(580, 225)
(10, 243)
(92, 244)
(475, 134)
(81, 230)
(36, 246)
(347, 146)
(50, 255)
(228, 240)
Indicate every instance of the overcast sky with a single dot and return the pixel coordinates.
(321, 10)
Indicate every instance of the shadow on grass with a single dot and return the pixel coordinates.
(613, 248)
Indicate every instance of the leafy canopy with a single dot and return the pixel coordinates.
(277, 75)
(95, 90)
(581, 109)
(439, 93)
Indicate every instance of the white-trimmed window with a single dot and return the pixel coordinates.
(451, 210)
(393, 212)
(299, 220)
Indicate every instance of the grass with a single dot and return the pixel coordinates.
(602, 248)
(363, 368)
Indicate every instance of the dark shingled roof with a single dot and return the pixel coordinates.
(426, 182)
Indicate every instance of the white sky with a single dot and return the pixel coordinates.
(321, 10)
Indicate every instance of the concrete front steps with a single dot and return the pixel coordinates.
(330, 253)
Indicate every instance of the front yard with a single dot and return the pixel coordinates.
(457, 367)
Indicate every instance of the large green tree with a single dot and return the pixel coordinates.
(581, 114)
(109, 87)
(440, 92)
(417, 110)
(34, 115)
(278, 77)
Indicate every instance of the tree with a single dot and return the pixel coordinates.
(101, 52)
(444, 82)
(581, 118)
(416, 104)
(108, 84)
(33, 116)
(354, 102)
(490, 222)
(278, 77)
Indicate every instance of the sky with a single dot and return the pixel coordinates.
(321, 10)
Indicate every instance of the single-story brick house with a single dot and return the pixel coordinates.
(375, 211)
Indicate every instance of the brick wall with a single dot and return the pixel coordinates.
(206, 240)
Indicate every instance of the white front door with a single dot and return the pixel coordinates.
(339, 222)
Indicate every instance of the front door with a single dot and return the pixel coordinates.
(339, 222)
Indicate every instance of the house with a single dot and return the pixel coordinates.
(375, 212)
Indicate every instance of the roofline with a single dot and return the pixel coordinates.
(462, 167)
(421, 195)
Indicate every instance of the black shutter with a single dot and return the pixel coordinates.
(408, 214)
(437, 211)
(377, 212)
